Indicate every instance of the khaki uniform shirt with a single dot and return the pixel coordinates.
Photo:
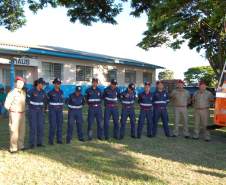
(15, 100)
(202, 99)
(180, 98)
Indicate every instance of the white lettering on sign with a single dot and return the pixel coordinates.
(21, 61)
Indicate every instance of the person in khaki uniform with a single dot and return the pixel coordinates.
(180, 98)
(15, 104)
(201, 101)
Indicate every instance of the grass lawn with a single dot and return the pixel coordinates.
(143, 161)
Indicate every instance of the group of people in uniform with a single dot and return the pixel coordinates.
(153, 106)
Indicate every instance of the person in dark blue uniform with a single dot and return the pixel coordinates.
(160, 101)
(146, 110)
(111, 95)
(75, 104)
(56, 105)
(127, 99)
(36, 99)
(94, 97)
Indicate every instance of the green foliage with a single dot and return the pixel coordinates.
(166, 75)
(12, 14)
(172, 22)
(86, 11)
(195, 74)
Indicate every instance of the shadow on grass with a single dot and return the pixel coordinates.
(102, 159)
(196, 152)
(98, 158)
(215, 174)
(189, 151)
(107, 159)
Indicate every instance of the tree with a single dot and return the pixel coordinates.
(166, 75)
(200, 22)
(86, 11)
(170, 22)
(195, 74)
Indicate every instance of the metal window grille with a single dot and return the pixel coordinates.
(130, 76)
(52, 70)
(84, 73)
(112, 74)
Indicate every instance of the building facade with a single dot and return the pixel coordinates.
(73, 67)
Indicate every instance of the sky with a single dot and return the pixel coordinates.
(52, 27)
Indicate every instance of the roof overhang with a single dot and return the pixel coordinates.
(71, 54)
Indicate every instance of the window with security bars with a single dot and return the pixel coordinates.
(84, 73)
(147, 77)
(112, 74)
(130, 76)
(52, 70)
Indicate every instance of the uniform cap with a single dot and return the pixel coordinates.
(20, 78)
(131, 86)
(114, 82)
(78, 88)
(41, 81)
(56, 80)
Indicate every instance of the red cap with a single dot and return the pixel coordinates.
(202, 83)
(180, 82)
(20, 78)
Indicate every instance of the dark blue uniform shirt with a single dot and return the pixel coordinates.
(75, 102)
(36, 99)
(128, 99)
(94, 96)
(56, 99)
(160, 99)
(145, 100)
(111, 96)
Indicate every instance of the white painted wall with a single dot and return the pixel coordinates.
(99, 70)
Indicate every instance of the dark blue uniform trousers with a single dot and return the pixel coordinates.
(108, 112)
(145, 114)
(95, 113)
(55, 124)
(161, 112)
(36, 126)
(74, 115)
(128, 112)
